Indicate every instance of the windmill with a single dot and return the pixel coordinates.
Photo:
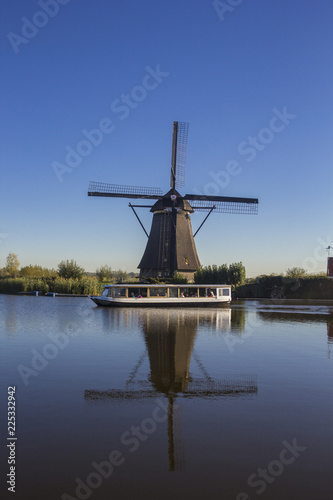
(170, 245)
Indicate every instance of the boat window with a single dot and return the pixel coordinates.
(137, 292)
(226, 291)
(211, 292)
(173, 292)
(117, 292)
(105, 292)
(158, 292)
(202, 292)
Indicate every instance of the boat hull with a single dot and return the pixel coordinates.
(160, 302)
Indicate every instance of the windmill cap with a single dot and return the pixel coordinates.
(168, 202)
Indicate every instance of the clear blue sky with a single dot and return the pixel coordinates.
(230, 75)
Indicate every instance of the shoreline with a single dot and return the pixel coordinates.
(261, 299)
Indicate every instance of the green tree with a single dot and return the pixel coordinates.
(222, 274)
(295, 272)
(120, 275)
(104, 273)
(178, 278)
(236, 274)
(34, 271)
(233, 275)
(3, 273)
(70, 269)
(12, 265)
(31, 271)
(207, 274)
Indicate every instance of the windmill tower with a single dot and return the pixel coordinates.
(170, 246)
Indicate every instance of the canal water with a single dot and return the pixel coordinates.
(233, 403)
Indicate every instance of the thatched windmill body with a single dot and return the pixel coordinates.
(170, 245)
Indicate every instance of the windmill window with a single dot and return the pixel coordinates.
(186, 261)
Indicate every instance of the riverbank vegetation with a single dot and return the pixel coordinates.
(85, 286)
(287, 287)
(70, 278)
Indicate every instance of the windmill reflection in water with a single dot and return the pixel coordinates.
(169, 340)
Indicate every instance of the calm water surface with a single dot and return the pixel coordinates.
(168, 404)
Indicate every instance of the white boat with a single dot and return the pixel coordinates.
(142, 295)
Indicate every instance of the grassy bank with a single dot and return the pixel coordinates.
(84, 286)
(265, 287)
(288, 288)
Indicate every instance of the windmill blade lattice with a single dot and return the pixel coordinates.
(178, 155)
(223, 204)
(181, 154)
(118, 191)
(226, 207)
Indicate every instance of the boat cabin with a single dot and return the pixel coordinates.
(167, 291)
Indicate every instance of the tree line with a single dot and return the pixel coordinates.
(234, 274)
(68, 278)
(67, 269)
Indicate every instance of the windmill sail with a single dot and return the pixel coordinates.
(224, 204)
(118, 191)
(178, 158)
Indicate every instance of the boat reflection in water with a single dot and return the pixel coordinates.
(330, 330)
(169, 336)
